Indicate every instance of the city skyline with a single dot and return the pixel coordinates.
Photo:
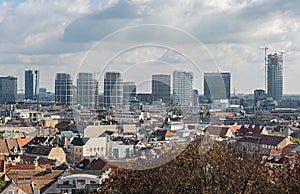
(54, 40)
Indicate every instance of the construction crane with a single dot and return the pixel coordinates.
(266, 64)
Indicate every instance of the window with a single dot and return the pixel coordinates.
(91, 149)
(65, 182)
(115, 153)
(98, 149)
(80, 182)
(127, 152)
(11, 192)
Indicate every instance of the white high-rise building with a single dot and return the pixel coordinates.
(86, 89)
(183, 87)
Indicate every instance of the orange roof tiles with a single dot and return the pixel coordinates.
(40, 179)
(19, 166)
(24, 141)
(234, 128)
(274, 152)
(224, 114)
(170, 134)
(26, 187)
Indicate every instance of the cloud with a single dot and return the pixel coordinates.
(57, 34)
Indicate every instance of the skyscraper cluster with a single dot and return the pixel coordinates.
(118, 93)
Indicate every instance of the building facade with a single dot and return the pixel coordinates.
(8, 90)
(113, 89)
(32, 78)
(63, 89)
(183, 87)
(161, 88)
(86, 89)
(129, 91)
(274, 76)
(216, 86)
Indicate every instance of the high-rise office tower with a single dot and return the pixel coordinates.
(32, 78)
(161, 88)
(195, 97)
(113, 89)
(8, 90)
(183, 87)
(216, 86)
(86, 88)
(63, 89)
(274, 76)
(96, 95)
(129, 91)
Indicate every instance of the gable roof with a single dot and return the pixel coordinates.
(234, 128)
(10, 185)
(24, 141)
(37, 141)
(96, 164)
(217, 130)
(170, 134)
(79, 141)
(262, 139)
(39, 150)
(12, 143)
(253, 129)
(41, 180)
(3, 146)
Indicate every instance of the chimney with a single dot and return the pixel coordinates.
(36, 163)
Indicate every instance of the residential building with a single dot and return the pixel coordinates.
(63, 89)
(183, 87)
(119, 150)
(32, 181)
(161, 88)
(84, 147)
(275, 76)
(219, 131)
(216, 86)
(113, 89)
(32, 78)
(86, 89)
(262, 143)
(8, 90)
(52, 153)
(67, 183)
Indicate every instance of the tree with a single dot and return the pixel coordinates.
(222, 169)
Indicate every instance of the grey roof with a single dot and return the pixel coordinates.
(295, 134)
(262, 139)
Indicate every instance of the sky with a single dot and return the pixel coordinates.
(141, 38)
